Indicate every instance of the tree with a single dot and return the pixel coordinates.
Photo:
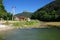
(3, 13)
(50, 12)
(0, 1)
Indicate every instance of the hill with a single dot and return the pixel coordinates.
(25, 14)
(50, 12)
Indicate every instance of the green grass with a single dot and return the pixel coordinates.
(17, 24)
(23, 23)
(30, 22)
(7, 23)
(1, 38)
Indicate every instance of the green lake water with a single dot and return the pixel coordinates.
(33, 34)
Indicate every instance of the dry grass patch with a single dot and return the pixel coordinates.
(53, 23)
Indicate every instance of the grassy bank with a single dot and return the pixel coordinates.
(32, 24)
(23, 24)
(26, 24)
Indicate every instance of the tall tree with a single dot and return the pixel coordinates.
(3, 13)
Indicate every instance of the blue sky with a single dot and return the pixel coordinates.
(24, 5)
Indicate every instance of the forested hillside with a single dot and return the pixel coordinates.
(50, 12)
(25, 14)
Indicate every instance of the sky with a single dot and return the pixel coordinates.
(24, 5)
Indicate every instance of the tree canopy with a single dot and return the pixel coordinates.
(3, 13)
(50, 12)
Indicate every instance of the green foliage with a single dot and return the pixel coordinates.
(3, 12)
(18, 24)
(9, 16)
(50, 12)
(27, 23)
(30, 22)
(0, 1)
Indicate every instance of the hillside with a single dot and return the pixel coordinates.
(55, 5)
(25, 14)
(50, 12)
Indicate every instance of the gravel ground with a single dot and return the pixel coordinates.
(5, 27)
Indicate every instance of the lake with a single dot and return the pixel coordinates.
(33, 34)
